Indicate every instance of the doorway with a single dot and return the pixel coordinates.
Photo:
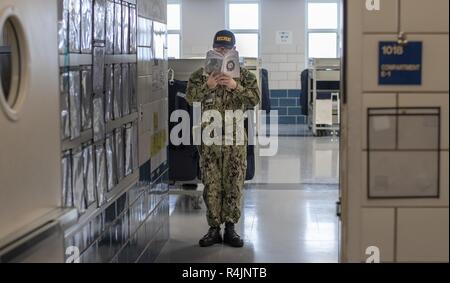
(291, 206)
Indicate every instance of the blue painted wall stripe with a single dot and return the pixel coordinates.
(294, 93)
(278, 93)
(274, 102)
(288, 102)
(294, 111)
(287, 120)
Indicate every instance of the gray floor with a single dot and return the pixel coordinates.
(288, 211)
(294, 130)
(300, 160)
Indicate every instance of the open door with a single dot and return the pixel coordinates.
(342, 148)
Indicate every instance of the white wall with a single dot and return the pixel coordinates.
(284, 62)
(405, 230)
(201, 19)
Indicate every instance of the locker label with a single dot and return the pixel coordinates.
(400, 64)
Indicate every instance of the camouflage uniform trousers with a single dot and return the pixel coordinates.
(223, 174)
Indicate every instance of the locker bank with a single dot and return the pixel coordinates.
(353, 101)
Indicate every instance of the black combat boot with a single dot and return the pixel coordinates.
(231, 238)
(212, 237)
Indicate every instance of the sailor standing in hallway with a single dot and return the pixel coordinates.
(223, 166)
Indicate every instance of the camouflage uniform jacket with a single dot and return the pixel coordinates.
(245, 96)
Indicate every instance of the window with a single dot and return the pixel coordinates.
(323, 28)
(322, 45)
(243, 20)
(174, 30)
(12, 65)
(243, 16)
(173, 43)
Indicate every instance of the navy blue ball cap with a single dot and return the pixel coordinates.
(224, 38)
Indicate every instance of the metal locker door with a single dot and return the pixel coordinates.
(29, 115)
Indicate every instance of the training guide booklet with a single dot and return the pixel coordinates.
(227, 64)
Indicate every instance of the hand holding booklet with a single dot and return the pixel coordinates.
(227, 64)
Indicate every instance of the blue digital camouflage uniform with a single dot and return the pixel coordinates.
(223, 167)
